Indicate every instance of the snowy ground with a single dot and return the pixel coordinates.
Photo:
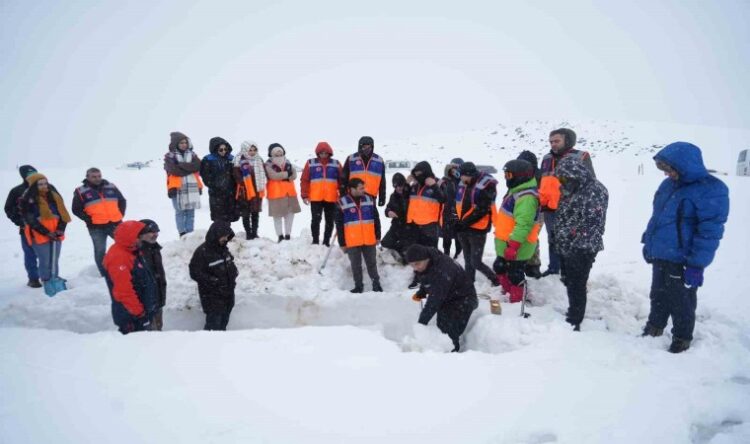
(306, 361)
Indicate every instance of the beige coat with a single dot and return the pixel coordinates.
(282, 207)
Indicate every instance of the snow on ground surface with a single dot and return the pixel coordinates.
(306, 361)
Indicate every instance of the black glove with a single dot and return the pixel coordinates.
(500, 266)
(172, 193)
(381, 201)
(516, 275)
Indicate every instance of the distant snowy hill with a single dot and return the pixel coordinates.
(307, 361)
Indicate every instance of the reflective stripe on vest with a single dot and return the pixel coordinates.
(101, 206)
(175, 182)
(324, 180)
(423, 207)
(505, 223)
(484, 222)
(359, 221)
(371, 173)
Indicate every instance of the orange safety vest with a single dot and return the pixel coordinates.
(549, 185)
(423, 207)
(279, 189)
(370, 173)
(359, 221)
(505, 223)
(35, 237)
(101, 206)
(482, 183)
(175, 182)
(248, 173)
(324, 180)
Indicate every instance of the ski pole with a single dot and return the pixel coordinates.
(328, 254)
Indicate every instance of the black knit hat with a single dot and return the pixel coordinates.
(468, 169)
(366, 140)
(25, 170)
(151, 226)
(275, 145)
(530, 157)
(417, 253)
(457, 161)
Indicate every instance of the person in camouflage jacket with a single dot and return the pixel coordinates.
(578, 231)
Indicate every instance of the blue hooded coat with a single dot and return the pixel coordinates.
(689, 214)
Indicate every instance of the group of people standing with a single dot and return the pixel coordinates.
(690, 209)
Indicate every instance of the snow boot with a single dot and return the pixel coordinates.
(652, 331)
(287, 237)
(34, 283)
(49, 288)
(679, 345)
(516, 293)
(533, 271)
(376, 287)
(576, 327)
(281, 238)
(414, 283)
(357, 289)
(549, 272)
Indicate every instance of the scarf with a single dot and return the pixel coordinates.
(255, 162)
(188, 195)
(45, 211)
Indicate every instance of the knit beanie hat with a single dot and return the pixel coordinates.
(25, 170)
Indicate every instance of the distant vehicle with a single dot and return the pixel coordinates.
(400, 164)
(137, 165)
(487, 169)
(743, 164)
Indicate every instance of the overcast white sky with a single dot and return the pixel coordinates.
(103, 82)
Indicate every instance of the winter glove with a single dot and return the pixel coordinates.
(381, 201)
(417, 297)
(511, 251)
(499, 266)
(172, 193)
(693, 277)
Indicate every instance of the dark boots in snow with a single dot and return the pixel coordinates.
(34, 283)
(652, 331)
(679, 345)
(376, 287)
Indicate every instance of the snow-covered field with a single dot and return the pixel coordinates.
(306, 361)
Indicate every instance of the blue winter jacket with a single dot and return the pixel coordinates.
(689, 214)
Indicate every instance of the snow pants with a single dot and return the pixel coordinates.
(670, 297)
(453, 321)
(472, 243)
(575, 270)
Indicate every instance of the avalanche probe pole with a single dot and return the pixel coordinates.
(328, 253)
(523, 301)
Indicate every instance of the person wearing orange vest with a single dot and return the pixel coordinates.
(368, 166)
(358, 230)
(475, 208)
(282, 196)
(425, 207)
(45, 218)
(184, 185)
(250, 175)
(319, 187)
(562, 142)
(101, 206)
(517, 224)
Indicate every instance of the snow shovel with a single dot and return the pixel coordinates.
(328, 254)
(523, 301)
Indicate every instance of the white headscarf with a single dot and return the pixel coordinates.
(255, 161)
(279, 161)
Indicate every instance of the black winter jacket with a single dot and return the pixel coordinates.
(12, 205)
(151, 254)
(451, 293)
(213, 268)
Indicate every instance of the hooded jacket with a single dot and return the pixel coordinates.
(12, 202)
(216, 171)
(172, 165)
(374, 163)
(451, 293)
(425, 201)
(689, 214)
(212, 267)
(326, 170)
(132, 286)
(151, 254)
(582, 213)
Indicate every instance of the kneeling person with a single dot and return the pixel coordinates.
(451, 292)
(212, 267)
